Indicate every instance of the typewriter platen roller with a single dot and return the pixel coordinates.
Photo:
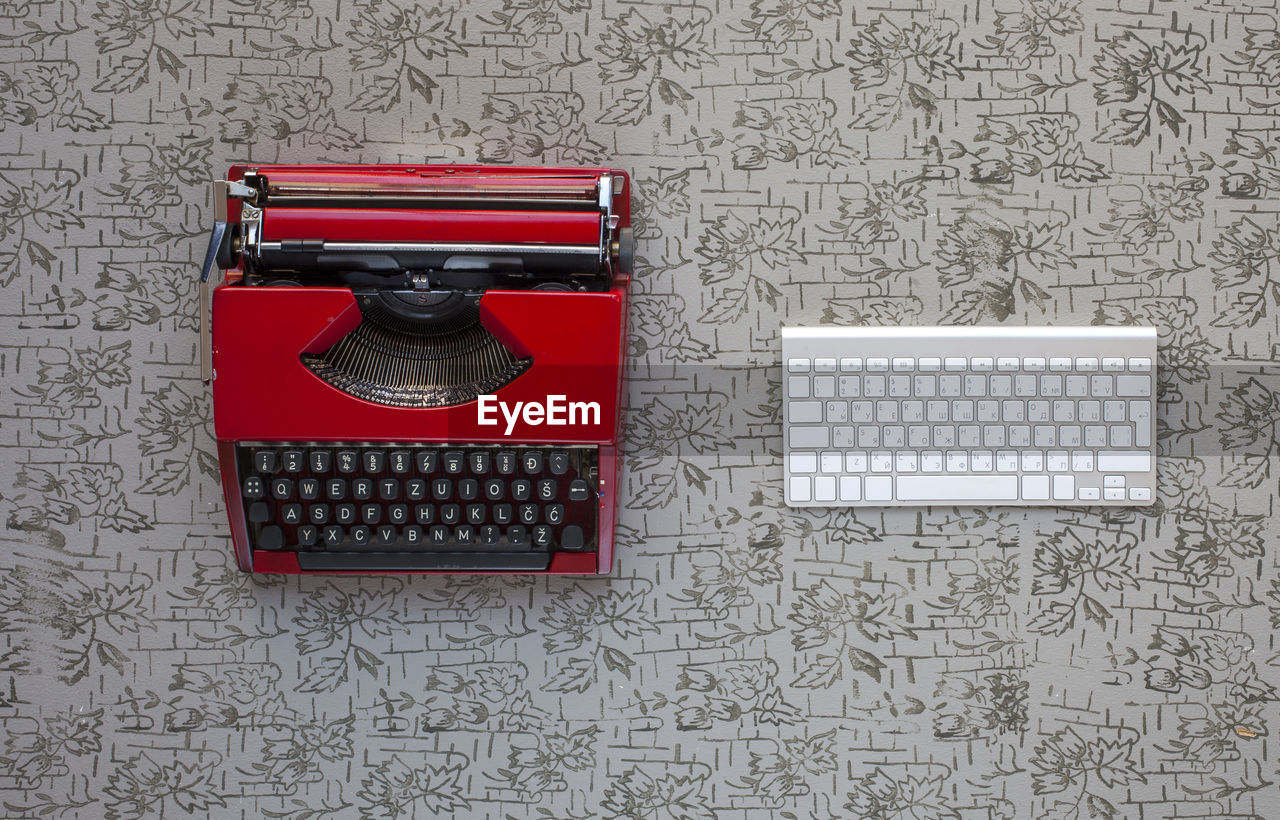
(370, 304)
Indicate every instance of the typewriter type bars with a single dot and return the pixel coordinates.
(418, 250)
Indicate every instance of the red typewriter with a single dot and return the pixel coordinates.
(418, 368)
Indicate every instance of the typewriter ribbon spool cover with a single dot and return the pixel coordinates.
(391, 310)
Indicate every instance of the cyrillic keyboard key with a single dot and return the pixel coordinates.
(949, 488)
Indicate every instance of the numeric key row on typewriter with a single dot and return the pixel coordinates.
(415, 499)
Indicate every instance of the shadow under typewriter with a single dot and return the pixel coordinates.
(418, 350)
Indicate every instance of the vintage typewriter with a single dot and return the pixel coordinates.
(418, 368)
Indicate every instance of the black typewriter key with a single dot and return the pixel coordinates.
(424, 513)
(259, 512)
(453, 462)
(468, 489)
(503, 514)
(345, 514)
(308, 489)
(399, 462)
(362, 489)
(335, 489)
(292, 460)
(415, 489)
(386, 535)
(531, 460)
(373, 461)
(426, 460)
(291, 514)
(264, 461)
(494, 489)
(332, 536)
(413, 535)
(554, 514)
(254, 489)
(521, 489)
(479, 462)
(320, 461)
(438, 536)
(465, 534)
(528, 513)
(389, 489)
(348, 461)
(571, 537)
(475, 514)
(558, 462)
(505, 462)
(441, 488)
(271, 538)
(360, 535)
(319, 513)
(281, 488)
(490, 535)
(308, 534)
(542, 536)
(398, 514)
(518, 536)
(450, 514)
(546, 489)
(579, 490)
(371, 513)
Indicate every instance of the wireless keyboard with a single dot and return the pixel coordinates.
(908, 416)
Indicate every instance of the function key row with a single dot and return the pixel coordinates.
(404, 462)
(962, 363)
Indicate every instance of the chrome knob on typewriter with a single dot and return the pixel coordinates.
(418, 368)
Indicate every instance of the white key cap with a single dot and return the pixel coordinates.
(804, 412)
(982, 364)
(913, 411)
(851, 365)
(1069, 436)
(879, 488)
(868, 436)
(824, 365)
(961, 410)
(1006, 363)
(798, 365)
(930, 364)
(955, 363)
(1089, 410)
(1057, 460)
(877, 365)
(907, 461)
(1113, 494)
(1142, 365)
(844, 437)
(944, 435)
(1035, 487)
(1139, 493)
(1082, 461)
(1064, 488)
(855, 462)
(1051, 385)
(1019, 436)
(1046, 435)
(1064, 410)
(1014, 410)
(1112, 363)
(1095, 436)
(926, 386)
(1032, 461)
(824, 387)
(1140, 415)
(1113, 481)
(1133, 385)
(800, 489)
(975, 385)
(931, 461)
(1002, 385)
(1122, 436)
(803, 462)
(1007, 461)
(904, 363)
(899, 386)
(1077, 386)
(894, 436)
(873, 386)
(886, 411)
(850, 488)
(993, 435)
(1037, 410)
(850, 387)
(816, 437)
(1113, 410)
(881, 462)
(1088, 493)
(837, 412)
(957, 461)
(860, 411)
(969, 435)
(981, 461)
(1058, 363)
(1119, 461)
(832, 462)
(798, 387)
(1102, 386)
(824, 488)
(988, 410)
(918, 436)
(937, 410)
(1034, 364)
(1024, 384)
(967, 488)
(949, 386)
(1087, 364)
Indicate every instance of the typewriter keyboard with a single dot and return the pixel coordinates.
(432, 507)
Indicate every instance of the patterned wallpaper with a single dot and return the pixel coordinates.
(796, 161)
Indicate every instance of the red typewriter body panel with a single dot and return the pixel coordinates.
(417, 368)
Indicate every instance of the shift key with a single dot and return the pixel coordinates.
(810, 437)
(1124, 461)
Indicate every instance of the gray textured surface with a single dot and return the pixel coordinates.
(1025, 161)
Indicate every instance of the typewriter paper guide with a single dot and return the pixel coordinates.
(263, 391)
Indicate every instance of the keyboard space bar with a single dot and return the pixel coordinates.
(957, 488)
(423, 561)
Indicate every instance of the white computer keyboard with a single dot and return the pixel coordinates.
(907, 416)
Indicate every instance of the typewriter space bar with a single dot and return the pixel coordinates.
(423, 561)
